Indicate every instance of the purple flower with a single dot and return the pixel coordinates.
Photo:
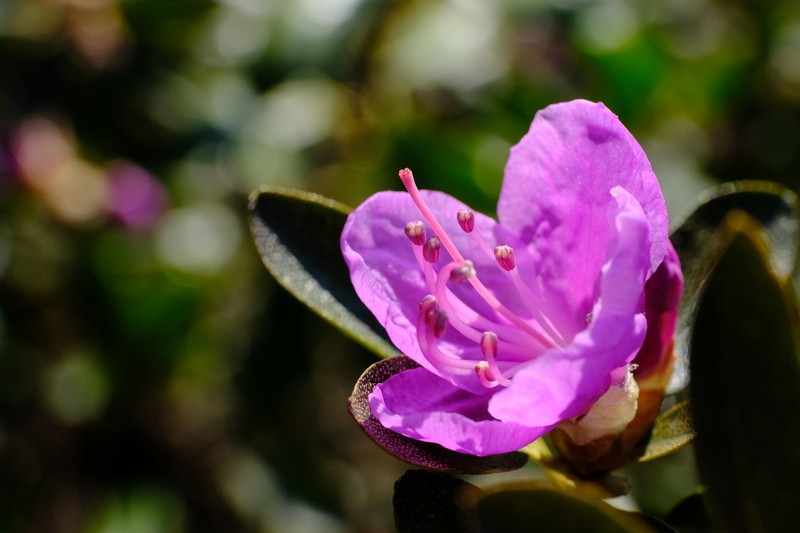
(524, 323)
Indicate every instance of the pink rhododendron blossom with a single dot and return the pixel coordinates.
(522, 323)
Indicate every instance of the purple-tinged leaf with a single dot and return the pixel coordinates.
(424, 454)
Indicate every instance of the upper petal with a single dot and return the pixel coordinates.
(555, 196)
(420, 405)
(565, 383)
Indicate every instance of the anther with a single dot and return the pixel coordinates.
(415, 231)
(462, 272)
(466, 219)
(436, 319)
(428, 304)
(505, 257)
(485, 375)
(489, 343)
(431, 249)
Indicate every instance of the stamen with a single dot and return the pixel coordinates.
(436, 319)
(431, 322)
(489, 349)
(408, 182)
(485, 375)
(427, 269)
(446, 273)
(466, 219)
(427, 305)
(431, 249)
(415, 231)
(515, 341)
(538, 316)
(462, 272)
(506, 257)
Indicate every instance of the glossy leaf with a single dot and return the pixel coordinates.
(551, 511)
(429, 501)
(745, 386)
(672, 430)
(297, 235)
(697, 241)
(418, 453)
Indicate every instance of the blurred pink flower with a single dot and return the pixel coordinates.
(135, 197)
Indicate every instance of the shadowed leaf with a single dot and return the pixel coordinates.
(698, 244)
(745, 386)
(551, 511)
(690, 515)
(425, 454)
(431, 501)
(297, 235)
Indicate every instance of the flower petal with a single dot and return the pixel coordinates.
(417, 404)
(564, 383)
(425, 454)
(555, 196)
(662, 297)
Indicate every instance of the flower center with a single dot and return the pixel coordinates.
(516, 338)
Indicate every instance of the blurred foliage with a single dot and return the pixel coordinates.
(152, 376)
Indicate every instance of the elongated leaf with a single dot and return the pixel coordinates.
(418, 453)
(438, 503)
(297, 235)
(697, 241)
(551, 511)
(672, 430)
(745, 387)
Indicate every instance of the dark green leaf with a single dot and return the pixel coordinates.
(297, 235)
(690, 515)
(698, 244)
(418, 453)
(551, 511)
(672, 430)
(432, 502)
(745, 386)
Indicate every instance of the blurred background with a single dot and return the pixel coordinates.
(153, 377)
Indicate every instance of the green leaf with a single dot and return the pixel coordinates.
(551, 511)
(671, 431)
(297, 235)
(697, 241)
(745, 386)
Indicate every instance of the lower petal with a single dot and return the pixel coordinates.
(565, 383)
(420, 405)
